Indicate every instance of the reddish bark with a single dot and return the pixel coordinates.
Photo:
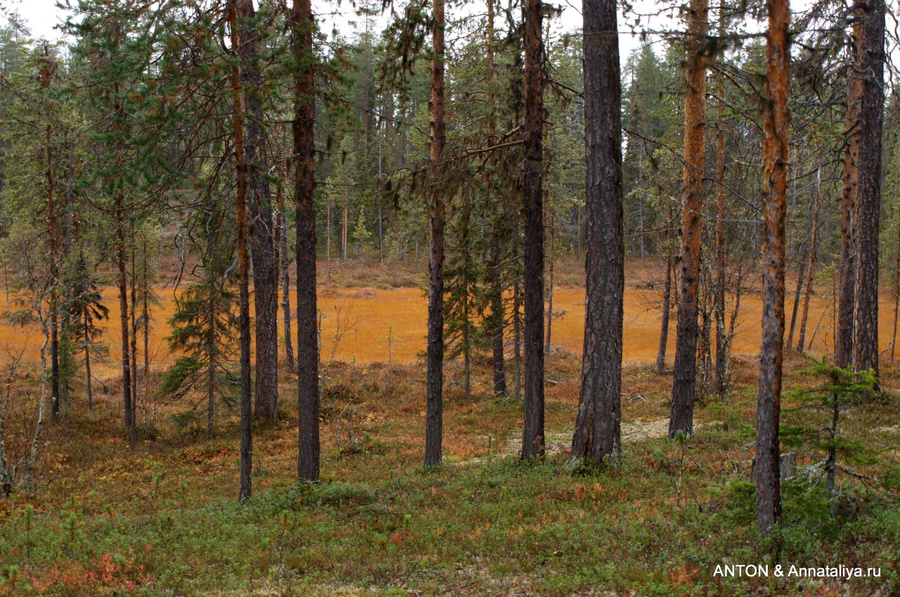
(775, 149)
(246, 488)
(681, 417)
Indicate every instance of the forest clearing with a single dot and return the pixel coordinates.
(355, 321)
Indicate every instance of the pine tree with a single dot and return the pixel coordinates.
(85, 309)
(777, 122)
(597, 428)
(204, 327)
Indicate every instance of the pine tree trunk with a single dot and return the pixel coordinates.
(262, 237)
(281, 224)
(497, 316)
(134, 329)
(843, 346)
(87, 359)
(145, 314)
(434, 408)
(865, 354)
(47, 71)
(54, 284)
(346, 217)
(810, 276)
(775, 148)
(598, 425)
(667, 297)
(549, 295)
(211, 371)
(246, 485)
(685, 371)
(533, 439)
(304, 200)
(122, 283)
(517, 330)
(896, 287)
(496, 287)
(721, 379)
(801, 275)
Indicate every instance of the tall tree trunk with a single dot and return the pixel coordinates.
(721, 379)
(54, 286)
(517, 328)
(871, 113)
(667, 297)
(497, 316)
(896, 285)
(775, 148)
(47, 70)
(346, 217)
(87, 358)
(211, 370)
(496, 286)
(685, 372)
(810, 276)
(281, 224)
(801, 275)
(304, 201)
(145, 316)
(843, 345)
(134, 328)
(434, 408)
(549, 292)
(122, 283)
(246, 486)
(598, 425)
(533, 440)
(262, 238)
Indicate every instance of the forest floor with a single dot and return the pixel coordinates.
(657, 521)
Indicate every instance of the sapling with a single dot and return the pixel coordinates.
(390, 339)
(841, 389)
(28, 517)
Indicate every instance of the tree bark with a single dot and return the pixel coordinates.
(246, 485)
(775, 148)
(262, 237)
(598, 425)
(843, 345)
(54, 286)
(496, 286)
(533, 434)
(896, 285)
(811, 269)
(801, 275)
(304, 201)
(721, 378)
(549, 318)
(681, 417)
(87, 359)
(134, 328)
(434, 408)
(122, 283)
(281, 224)
(871, 114)
(211, 371)
(667, 297)
(47, 70)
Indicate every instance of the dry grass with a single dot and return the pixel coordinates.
(355, 319)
